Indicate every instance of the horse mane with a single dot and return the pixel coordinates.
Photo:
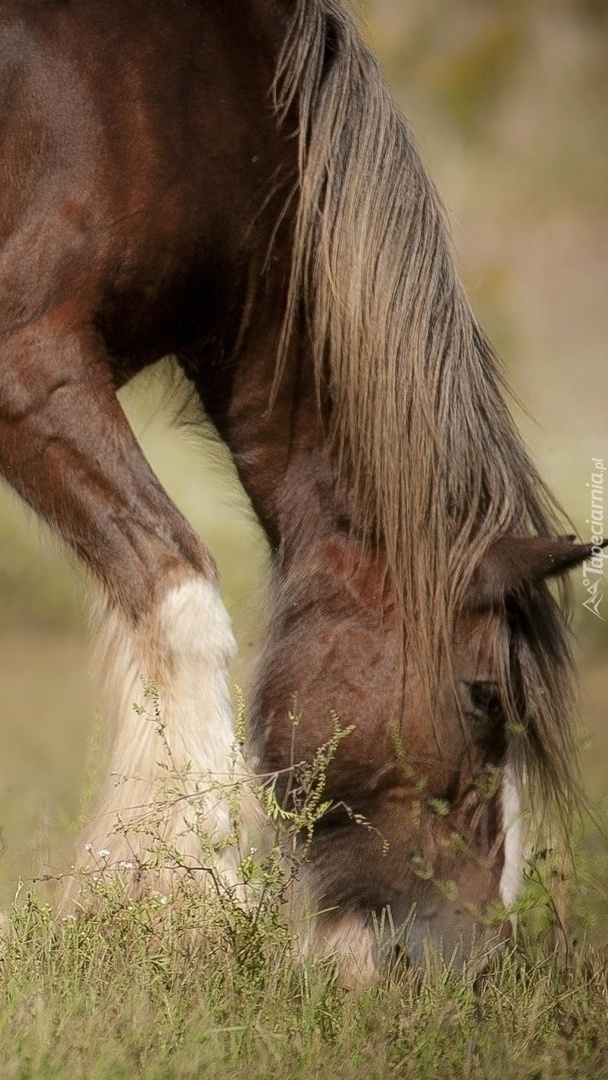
(413, 390)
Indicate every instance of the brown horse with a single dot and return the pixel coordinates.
(230, 182)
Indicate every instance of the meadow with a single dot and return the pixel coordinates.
(509, 103)
(119, 995)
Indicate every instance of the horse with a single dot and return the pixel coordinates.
(230, 182)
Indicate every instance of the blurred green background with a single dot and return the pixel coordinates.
(509, 103)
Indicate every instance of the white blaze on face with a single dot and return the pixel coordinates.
(512, 872)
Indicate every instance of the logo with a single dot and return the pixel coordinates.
(593, 569)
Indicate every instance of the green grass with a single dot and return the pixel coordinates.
(194, 985)
(126, 992)
(211, 985)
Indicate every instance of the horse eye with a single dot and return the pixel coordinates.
(482, 700)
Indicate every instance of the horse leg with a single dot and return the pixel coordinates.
(67, 448)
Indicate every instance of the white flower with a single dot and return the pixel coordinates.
(88, 847)
(126, 865)
(104, 853)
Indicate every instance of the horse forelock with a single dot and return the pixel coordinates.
(537, 688)
(418, 413)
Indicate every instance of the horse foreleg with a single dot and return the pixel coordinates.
(164, 637)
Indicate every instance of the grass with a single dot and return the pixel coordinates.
(126, 992)
(200, 984)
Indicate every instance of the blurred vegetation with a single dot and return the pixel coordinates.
(464, 60)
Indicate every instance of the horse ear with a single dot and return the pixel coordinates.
(513, 562)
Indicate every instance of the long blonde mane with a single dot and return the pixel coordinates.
(418, 414)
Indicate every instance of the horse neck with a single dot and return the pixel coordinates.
(330, 648)
(284, 461)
